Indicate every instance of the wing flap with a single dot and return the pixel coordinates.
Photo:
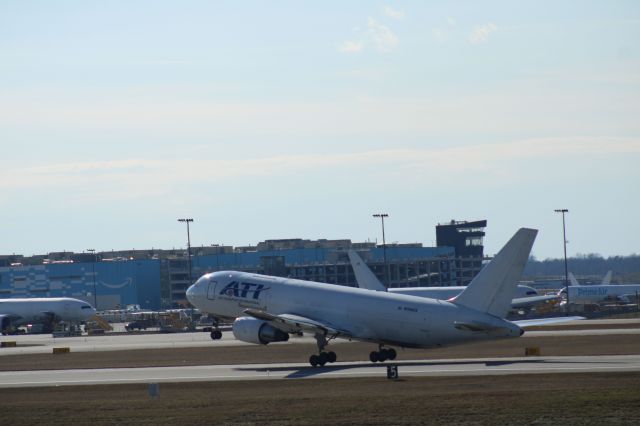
(525, 302)
(291, 323)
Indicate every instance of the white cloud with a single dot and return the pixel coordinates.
(382, 37)
(439, 35)
(480, 33)
(451, 21)
(351, 46)
(393, 13)
(494, 160)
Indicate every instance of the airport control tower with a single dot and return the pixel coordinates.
(466, 238)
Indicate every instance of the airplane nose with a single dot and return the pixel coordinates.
(191, 293)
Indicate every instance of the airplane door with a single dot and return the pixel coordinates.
(211, 291)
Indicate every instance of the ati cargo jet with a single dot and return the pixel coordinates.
(267, 309)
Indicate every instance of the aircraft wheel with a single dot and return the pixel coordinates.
(391, 354)
(332, 357)
(314, 360)
(218, 334)
(373, 356)
(323, 358)
(383, 355)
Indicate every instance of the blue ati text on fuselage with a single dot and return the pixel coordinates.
(243, 290)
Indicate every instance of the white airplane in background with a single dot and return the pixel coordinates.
(44, 310)
(581, 294)
(524, 297)
(267, 309)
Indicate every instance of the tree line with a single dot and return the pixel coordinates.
(623, 267)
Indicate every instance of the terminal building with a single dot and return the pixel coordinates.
(158, 279)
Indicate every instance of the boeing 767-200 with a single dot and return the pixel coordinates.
(267, 309)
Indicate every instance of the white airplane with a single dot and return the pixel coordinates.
(47, 311)
(605, 292)
(267, 309)
(524, 297)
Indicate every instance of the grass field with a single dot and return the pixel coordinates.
(563, 399)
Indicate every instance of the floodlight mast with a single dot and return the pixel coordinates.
(384, 248)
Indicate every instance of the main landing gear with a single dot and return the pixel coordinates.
(216, 334)
(383, 354)
(323, 357)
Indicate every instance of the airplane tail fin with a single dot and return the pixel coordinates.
(607, 278)
(364, 277)
(573, 280)
(492, 290)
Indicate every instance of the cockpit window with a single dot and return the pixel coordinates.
(86, 307)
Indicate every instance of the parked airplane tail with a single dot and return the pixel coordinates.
(364, 277)
(572, 280)
(607, 278)
(493, 289)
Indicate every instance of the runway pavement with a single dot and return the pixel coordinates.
(462, 367)
(43, 343)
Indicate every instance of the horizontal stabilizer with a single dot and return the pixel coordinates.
(477, 327)
(545, 321)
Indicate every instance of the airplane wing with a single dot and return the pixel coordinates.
(525, 302)
(290, 323)
(545, 321)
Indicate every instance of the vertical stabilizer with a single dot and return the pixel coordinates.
(573, 280)
(364, 277)
(492, 290)
(607, 278)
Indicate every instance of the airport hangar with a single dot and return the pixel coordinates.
(158, 279)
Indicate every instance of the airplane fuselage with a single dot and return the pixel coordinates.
(382, 317)
(586, 294)
(22, 311)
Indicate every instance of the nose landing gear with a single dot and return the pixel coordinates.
(216, 334)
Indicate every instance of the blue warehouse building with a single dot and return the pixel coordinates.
(117, 284)
(158, 279)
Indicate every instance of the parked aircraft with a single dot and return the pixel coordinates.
(267, 309)
(524, 297)
(583, 294)
(47, 311)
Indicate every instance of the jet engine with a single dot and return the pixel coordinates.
(253, 330)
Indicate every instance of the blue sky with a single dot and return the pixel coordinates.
(289, 119)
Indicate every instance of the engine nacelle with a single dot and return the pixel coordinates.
(253, 330)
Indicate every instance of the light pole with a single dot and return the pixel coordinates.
(384, 248)
(566, 269)
(93, 270)
(188, 246)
